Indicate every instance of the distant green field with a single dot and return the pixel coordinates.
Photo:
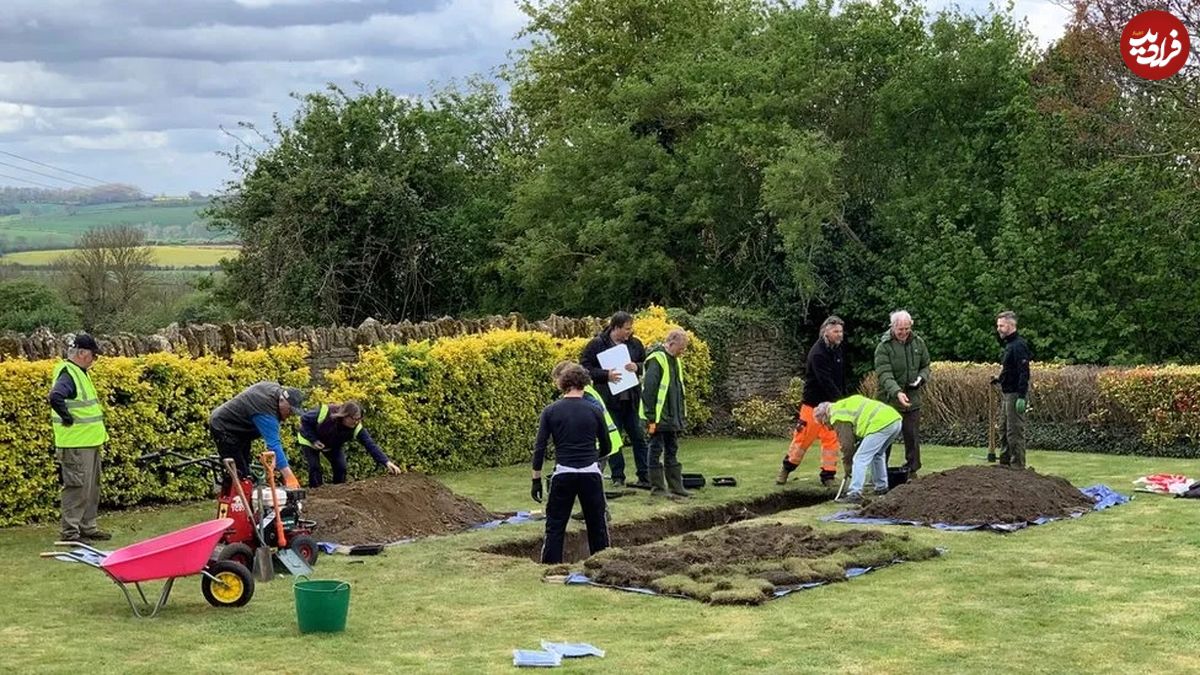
(58, 225)
(165, 256)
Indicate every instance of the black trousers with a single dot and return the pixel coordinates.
(664, 449)
(233, 446)
(337, 461)
(625, 416)
(564, 488)
(910, 431)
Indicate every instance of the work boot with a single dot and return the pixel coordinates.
(991, 457)
(675, 481)
(639, 484)
(96, 535)
(785, 471)
(828, 477)
(618, 482)
(658, 482)
(850, 498)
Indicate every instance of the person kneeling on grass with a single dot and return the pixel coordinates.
(325, 429)
(877, 424)
(580, 438)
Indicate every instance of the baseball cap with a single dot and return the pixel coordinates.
(85, 341)
(294, 397)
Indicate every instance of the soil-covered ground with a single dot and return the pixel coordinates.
(980, 495)
(389, 508)
(746, 564)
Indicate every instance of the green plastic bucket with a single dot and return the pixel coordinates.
(322, 605)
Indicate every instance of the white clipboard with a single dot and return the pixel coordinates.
(616, 359)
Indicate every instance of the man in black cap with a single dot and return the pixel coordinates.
(256, 413)
(79, 436)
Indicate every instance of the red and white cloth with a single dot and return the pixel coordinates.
(1164, 484)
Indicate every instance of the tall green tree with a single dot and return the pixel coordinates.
(370, 204)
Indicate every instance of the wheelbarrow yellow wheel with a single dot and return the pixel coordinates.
(227, 584)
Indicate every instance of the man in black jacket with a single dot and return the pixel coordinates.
(1014, 390)
(624, 406)
(825, 380)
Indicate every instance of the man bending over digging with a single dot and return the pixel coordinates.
(580, 439)
(877, 424)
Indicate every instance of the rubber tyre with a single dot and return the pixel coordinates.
(239, 553)
(305, 547)
(238, 585)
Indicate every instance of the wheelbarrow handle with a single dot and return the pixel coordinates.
(79, 544)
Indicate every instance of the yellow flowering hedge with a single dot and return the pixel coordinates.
(474, 401)
(453, 403)
(159, 401)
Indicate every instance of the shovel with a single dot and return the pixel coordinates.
(263, 569)
(295, 565)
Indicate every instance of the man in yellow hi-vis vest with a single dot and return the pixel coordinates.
(79, 436)
(664, 413)
(877, 424)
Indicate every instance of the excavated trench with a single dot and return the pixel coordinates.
(665, 526)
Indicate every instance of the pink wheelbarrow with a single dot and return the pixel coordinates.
(224, 583)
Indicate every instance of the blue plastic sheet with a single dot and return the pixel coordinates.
(572, 650)
(536, 658)
(1103, 496)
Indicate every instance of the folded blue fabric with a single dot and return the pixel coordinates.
(1104, 496)
(534, 658)
(571, 650)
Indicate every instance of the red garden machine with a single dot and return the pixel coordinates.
(265, 518)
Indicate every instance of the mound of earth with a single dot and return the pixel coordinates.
(389, 508)
(746, 565)
(980, 495)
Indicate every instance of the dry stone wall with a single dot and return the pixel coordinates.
(760, 359)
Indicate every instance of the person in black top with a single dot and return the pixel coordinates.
(1014, 390)
(824, 381)
(624, 406)
(580, 439)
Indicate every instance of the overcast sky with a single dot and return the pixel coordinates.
(135, 91)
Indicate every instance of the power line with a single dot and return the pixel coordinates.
(51, 166)
(31, 182)
(53, 177)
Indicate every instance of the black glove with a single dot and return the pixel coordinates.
(68, 421)
(535, 490)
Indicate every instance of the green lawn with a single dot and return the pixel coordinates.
(1111, 592)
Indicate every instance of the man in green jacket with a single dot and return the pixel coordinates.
(664, 413)
(902, 366)
(79, 436)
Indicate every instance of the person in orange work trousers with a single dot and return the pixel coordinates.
(824, 380)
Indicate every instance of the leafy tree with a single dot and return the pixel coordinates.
(369, 205)
(105, 276)
(26, 305)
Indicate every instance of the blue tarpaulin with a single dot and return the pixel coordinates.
(1103, 496)
(552, 653)
(536, 658)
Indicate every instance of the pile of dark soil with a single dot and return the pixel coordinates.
(980, 495)
(745, 565)
(389, 508)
